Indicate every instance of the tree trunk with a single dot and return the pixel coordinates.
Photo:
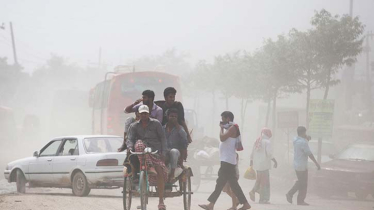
(274, 114)
(243, 112)
(308, 90)
(268, 113)
(327, 84)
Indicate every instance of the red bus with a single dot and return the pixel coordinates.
(109, 98)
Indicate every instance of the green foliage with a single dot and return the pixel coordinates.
(339, 41)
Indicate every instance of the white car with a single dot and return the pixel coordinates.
(81, 163)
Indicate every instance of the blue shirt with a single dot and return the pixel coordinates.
(176, 138)
(301, 154)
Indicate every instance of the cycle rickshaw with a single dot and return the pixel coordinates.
(204, 160)
(144, 189)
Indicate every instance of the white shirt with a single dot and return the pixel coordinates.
(262, 157)
(227, 151)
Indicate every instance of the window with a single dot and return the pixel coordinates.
(102, 145)
(358, 152)
(50, 149)
(69, 148)
(133, 87)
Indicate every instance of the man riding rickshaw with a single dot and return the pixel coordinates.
(146, 138)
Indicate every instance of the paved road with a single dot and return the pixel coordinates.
(47, 198)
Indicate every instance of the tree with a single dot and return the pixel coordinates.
(339, 41)
(277, 74)
(310, 74)
(246, 82)
(226, 70)
(10, 77)
(204, 78)
(58, 73)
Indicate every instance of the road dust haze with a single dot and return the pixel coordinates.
(70, 68)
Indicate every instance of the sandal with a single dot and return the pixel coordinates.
(243, 208)
(203, 206)
(161, 207)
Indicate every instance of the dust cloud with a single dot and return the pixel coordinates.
(65, 50)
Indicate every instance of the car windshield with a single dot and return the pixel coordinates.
(102, 144)
(358, 152)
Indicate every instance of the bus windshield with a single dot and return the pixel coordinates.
(133, 87)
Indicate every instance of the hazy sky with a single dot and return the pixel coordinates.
(126, 30)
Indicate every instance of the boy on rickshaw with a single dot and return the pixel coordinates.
(176, 142)
(148, 132)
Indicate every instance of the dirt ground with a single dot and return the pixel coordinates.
(50, 198)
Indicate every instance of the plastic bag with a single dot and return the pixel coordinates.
(250, 174)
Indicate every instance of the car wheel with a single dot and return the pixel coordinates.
(80, 185)
(21, 182)
(361, 195)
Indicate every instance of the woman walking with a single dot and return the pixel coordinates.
(261, 158)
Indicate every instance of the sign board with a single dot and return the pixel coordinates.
(321, 113)
(288, 119)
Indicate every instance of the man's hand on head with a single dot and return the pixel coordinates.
(138, 101)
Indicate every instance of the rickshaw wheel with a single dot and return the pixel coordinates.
(143, 190)
(187, 193)
(127, 193)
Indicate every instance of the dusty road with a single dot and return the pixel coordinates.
(48, 198)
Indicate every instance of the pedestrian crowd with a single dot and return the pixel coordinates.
(161, 126)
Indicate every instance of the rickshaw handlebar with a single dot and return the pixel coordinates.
(143, 153)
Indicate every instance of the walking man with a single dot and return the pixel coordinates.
(261, 158)
(301, 154)
(228, 136)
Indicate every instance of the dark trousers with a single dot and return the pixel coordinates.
(301, 185)
(226, 174)
(134, 160)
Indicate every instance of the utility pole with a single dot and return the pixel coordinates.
(13, 44)
(351, 8)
